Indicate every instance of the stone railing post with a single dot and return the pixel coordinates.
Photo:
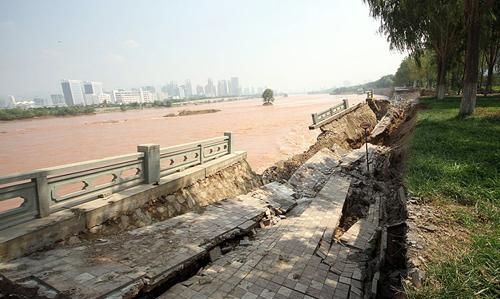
(315, 118)
(42, 194)
(151, 162)
(346, 103)
(230, 143)
(202, 150)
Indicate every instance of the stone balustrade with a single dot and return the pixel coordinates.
(39, 193)
(324, 116)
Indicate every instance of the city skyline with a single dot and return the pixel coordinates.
(292, 46)
(82, 93)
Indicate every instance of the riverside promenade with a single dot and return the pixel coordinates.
(270, 243)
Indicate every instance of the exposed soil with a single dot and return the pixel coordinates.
(232, 181)
(392, 128)
(340, 136)
(430, 225)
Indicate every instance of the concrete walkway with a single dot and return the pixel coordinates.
(292, 256)
(119, 266)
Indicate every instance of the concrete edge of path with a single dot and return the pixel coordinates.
(28, 237)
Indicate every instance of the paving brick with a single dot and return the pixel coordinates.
(282, 261)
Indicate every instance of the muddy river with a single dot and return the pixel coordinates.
(267, 133)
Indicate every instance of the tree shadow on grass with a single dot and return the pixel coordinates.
(456, 158)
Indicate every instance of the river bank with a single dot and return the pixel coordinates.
(268, 134)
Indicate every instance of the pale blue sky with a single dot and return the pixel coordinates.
(288, 45)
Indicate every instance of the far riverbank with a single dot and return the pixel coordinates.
(11, 114)
(267, 133)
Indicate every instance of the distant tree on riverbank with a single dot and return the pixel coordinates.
(268, 96)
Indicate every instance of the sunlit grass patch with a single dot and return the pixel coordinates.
(458, 160)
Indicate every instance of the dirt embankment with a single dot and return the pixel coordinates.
(391, 128)
(340, 135)
(394, 131)
(232, 181)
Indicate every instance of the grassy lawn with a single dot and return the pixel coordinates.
(454, 161)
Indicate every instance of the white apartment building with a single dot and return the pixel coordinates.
(121, 96)
(73, 92)
(77, 92)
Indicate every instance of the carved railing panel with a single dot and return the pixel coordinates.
(38, 193)
(11, 192)
(325, 115)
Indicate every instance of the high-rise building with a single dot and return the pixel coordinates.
(182, 94)
(57, 99)
(210, 89)
(171, 89)
(188, 89)
(222, 88)
(200, 91)
(234, 86)
(156, 95)
(73, 92)
(11, 102)
(91, 87)
(92, 91)
(149, 88)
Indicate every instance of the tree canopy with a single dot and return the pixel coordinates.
(268, 96)
(456, 32)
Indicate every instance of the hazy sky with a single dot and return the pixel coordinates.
(288, 45)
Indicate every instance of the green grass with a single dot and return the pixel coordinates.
(458, 160)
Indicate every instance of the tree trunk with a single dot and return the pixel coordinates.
(492, 50)
(471, 58)
(481, 71)
(441, 78)
(489, 78)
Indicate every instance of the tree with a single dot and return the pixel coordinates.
(268, 96)
(416, 70)
(414, 25)
(491, 40)
(472, 24)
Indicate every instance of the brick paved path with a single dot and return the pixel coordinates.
(144, 257)
(294, 259)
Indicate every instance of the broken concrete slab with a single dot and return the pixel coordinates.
(363, 231)
(141, 258)
(356, 155)
(281, 262)
(309, 178)
(215, 253)
(277, 195)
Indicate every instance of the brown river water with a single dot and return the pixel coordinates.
(267, 133)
